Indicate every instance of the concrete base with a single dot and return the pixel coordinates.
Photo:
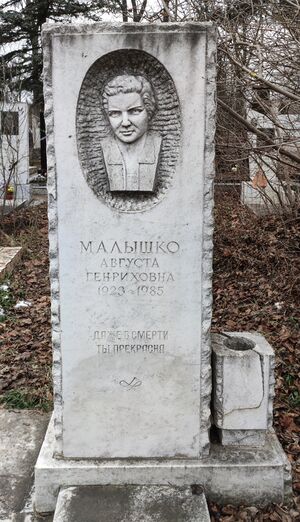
(130, 504)
(232, 475)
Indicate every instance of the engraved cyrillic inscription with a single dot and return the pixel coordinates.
(137, 267)
(129, 247)
(130, 342)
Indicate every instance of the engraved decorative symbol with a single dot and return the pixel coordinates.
(135, 383)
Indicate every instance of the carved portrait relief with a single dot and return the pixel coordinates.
(131, 155)
(128, 130)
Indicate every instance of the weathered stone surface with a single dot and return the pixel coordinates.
(130, 212)
(243, 383)
(21, 435)
(130, 504)
(130, 272)
(242, 437)
(9, 257)
(238, 475)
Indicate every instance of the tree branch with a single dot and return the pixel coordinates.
(256, 76)
(256, 131)
(142, 9)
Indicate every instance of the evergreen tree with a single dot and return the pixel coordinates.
(20, 46)
(20, 37)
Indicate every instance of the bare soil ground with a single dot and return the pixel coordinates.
(256, 287)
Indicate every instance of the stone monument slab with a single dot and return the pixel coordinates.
(130, 127)
(130, 504)
(130, 181)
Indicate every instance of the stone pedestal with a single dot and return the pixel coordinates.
(230, 475)
(243, 387)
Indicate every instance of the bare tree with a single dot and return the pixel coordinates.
(130, 10)
(258, 88)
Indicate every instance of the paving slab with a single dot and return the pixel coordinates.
(130, 504)
(9, 257)
(21, 436)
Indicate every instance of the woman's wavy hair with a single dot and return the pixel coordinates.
(128, 83)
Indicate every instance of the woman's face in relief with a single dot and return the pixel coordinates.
(128, 116)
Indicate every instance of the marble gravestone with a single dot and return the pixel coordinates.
(131, 237)
(130, 112)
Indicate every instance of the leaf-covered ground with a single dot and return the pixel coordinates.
(256, 287)
(25, 346)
